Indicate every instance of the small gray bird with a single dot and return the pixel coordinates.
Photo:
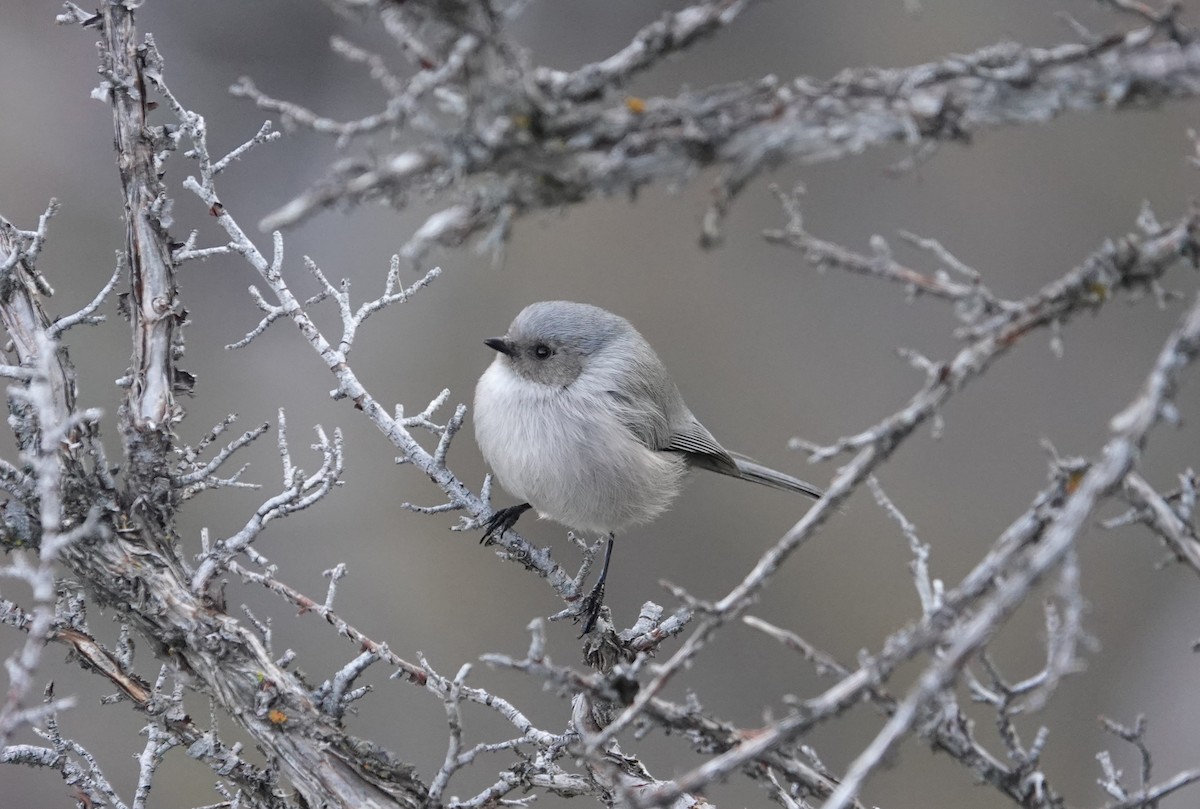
(578, 417)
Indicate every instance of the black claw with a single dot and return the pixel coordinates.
(501, 521)
(590, 608)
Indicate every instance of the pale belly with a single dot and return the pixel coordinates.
(571, 460)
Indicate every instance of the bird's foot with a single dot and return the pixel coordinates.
(589, 608)
(501, 521)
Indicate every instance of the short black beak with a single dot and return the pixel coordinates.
(499, 344)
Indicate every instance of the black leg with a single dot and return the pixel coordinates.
(501, 521)
(590, 608)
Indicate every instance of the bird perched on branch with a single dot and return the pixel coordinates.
(578, 417)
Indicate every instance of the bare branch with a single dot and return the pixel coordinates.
(86, 314)
(566, 126)
(452, 701)
(264, 135)
(306, 604)
(930, 592)
(1128, 264)
(1147, 798)
(674, 32)
(994, 337)
(1156, 512)
(491, 136)
(349, 386)
(88, 778)
(1130, 428)
(335, 695)
(57, 534)
(299, 492)
(203, 474)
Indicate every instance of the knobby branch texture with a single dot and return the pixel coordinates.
(498, 137)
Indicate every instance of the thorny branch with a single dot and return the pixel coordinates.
(993, 325)
(300, 491)
(1130, 430)
(544, 773)
(192, 477)
(600, 146)
(45, 466)
(334, 354)
(47, 403)
(648, 634)
(1132, 263)
(95, 657)
(357, 771)
(306, 604)
(76, 765)
(598, 696)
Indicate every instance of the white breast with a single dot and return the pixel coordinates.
(563, 451)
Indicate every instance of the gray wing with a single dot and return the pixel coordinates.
(701, 449)
(644, 398)
(650, 406)
(655, 413)
(647, 402)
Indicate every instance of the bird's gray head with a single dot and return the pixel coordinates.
(552, 342)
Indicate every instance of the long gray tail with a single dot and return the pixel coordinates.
(767, 476)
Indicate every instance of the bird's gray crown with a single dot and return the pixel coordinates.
(581, 326)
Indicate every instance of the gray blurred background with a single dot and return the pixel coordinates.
(763, 348)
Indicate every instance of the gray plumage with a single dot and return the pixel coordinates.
(578, 416)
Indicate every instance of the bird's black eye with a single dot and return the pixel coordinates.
(541, 351)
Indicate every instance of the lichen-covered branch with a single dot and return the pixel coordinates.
(489, 136)
(513, 138)
(150, 411)
(1130, 429)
